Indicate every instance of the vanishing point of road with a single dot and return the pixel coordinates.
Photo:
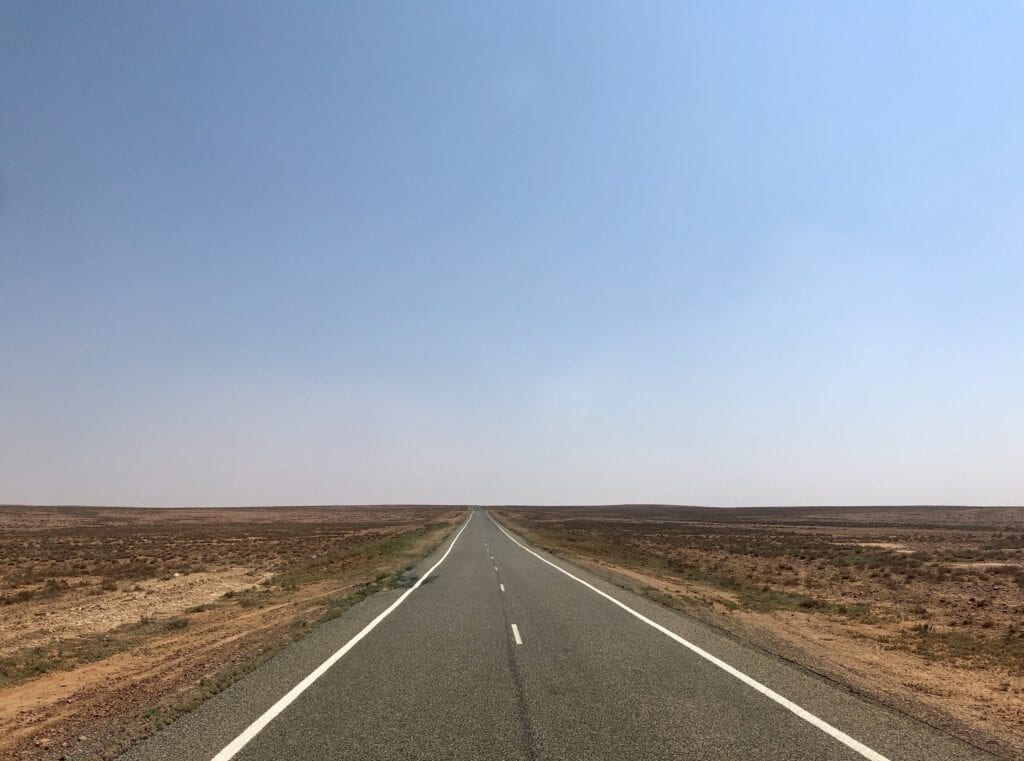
(499, 651)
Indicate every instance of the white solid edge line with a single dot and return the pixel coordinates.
(268, 716)
(515, 633)
(786, 703)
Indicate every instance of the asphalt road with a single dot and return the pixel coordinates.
(498, 654)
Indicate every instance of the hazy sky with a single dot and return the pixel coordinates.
(723, 253)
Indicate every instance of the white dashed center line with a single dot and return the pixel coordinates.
(769, 693)
(515, 634)
(502, 587)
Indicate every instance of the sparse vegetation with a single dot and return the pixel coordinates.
(942, 587)
(164, 608)
(865, 567)
(65, 654)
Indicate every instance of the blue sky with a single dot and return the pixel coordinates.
(745, 253)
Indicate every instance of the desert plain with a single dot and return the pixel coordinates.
(921, 608)
(115, 621)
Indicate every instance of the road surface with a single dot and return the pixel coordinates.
(500, 651)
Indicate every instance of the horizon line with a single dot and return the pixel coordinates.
(504, 505)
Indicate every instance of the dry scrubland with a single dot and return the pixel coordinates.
(113, 621)
(922, 608)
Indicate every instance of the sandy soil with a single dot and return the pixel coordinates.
(37, 622)
(921, 608)
(57, 709)
(114, 621)
(975, 705)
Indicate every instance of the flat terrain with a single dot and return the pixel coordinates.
(114, 621)
(499, 651)
(921, 608)
(420, 633)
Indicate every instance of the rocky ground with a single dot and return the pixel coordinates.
(114, 621)
(922, 608)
